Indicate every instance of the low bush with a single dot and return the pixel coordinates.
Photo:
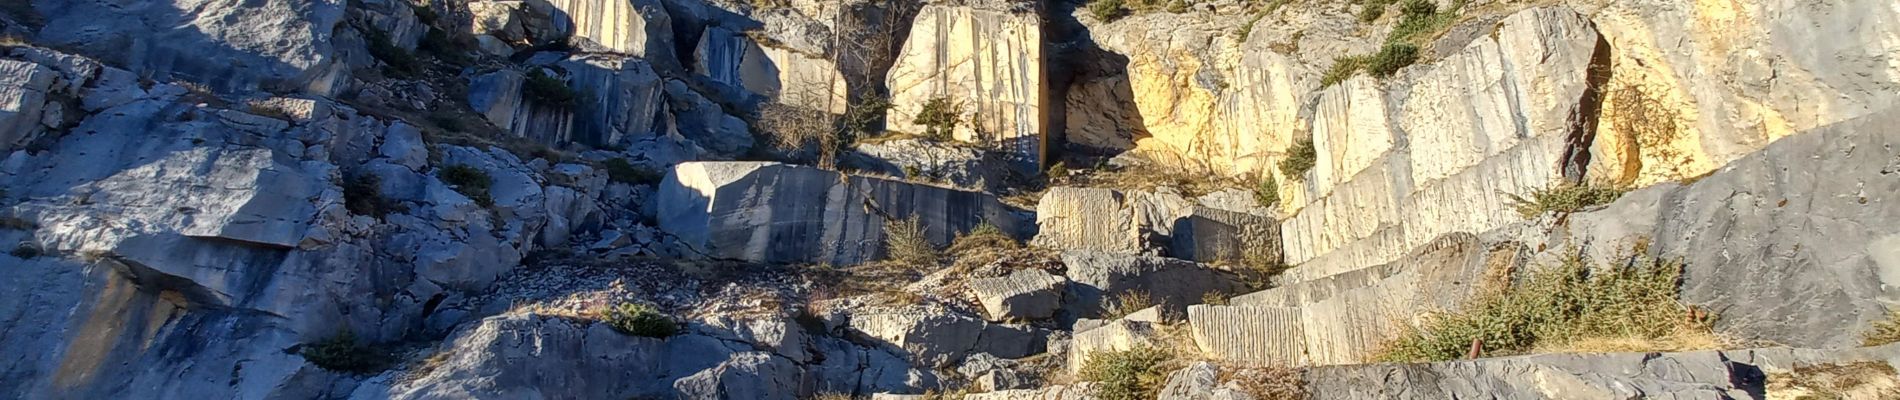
(342, 353)
(639, 320)
(1391, 58)
(1883, 332)
(1371, 10)
(904, 242)
(1301, 157)
(1106, 10)
(1268, 383)
(1565, 198)
(620, 170)
(1134, 374)
(439, 44)
(1634, 305)
(397, 62)
(1343, 68)
(469, 181)
(363, 195)
(548, 91)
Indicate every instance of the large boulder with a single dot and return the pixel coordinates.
(935, 337)
(920, 159)
(228, 45)
(508, 357)
(1029, 294)
(771, 212)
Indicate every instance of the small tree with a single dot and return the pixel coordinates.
(905, 242)
(469, 181)
(1299, 158)
(342, 353)
(939, 116)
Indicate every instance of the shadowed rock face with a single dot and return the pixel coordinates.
(772, 212)
(230, 45)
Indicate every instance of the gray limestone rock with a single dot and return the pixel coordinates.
(774, 212)
(1097, 278)
(1029, 294)
(1738, 374)
(228, 45)
(931, 161)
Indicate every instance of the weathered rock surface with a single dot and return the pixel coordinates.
(783, 213)
(228, 45)
(1099, 277)
(1029, 294)
(932, 337)
(987, 59)
(932, 161)
(1703, 374)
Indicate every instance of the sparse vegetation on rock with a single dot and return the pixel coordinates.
(362, 195)
(940, 117)
(1106, 10)
(1565, 198)
(622, 171)
(469, 181)
(639, 320)
(1569, 306)
(343, 353)
(904, 242)
(547, 90)
(1883, 332)
(1301, 157)
(1134, 374)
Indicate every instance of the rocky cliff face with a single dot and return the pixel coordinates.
(462, 199)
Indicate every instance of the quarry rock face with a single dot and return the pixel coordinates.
(201, 198)
(986, 61)
(783, 213)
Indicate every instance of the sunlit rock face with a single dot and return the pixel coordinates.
(988, 63)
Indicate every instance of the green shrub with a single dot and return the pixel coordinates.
(1106, 10)
(1343, 68)
(1299, 158)
(1391, 58)
(548, 91)
(363, 195)
(639, 320)
(396, 61)
(1267, 192)
(1416, 8)
(469, 181)
(1565, 198)
(1177, 6)
(25, 251)
(1373, 9)
(1883, 332)
(342, 353)
(904, 241)
(1561, 304)
(939, 116)
(439, 44)
(620, 170)
(1134, 374)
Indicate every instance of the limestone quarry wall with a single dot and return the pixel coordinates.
(990, 63)
(771, 212)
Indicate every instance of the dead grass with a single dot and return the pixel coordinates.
(1127, 303)
(1870, 380)
(905, 242)
(1883, 332)
(1269, 383)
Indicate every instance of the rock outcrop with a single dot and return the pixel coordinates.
(985, 60)
(772, 212)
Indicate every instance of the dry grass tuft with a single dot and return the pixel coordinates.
(1565, 198)
(1271, 383)
(1127, 303)
(905, 242)
(1883, 332)
(1870, 380)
